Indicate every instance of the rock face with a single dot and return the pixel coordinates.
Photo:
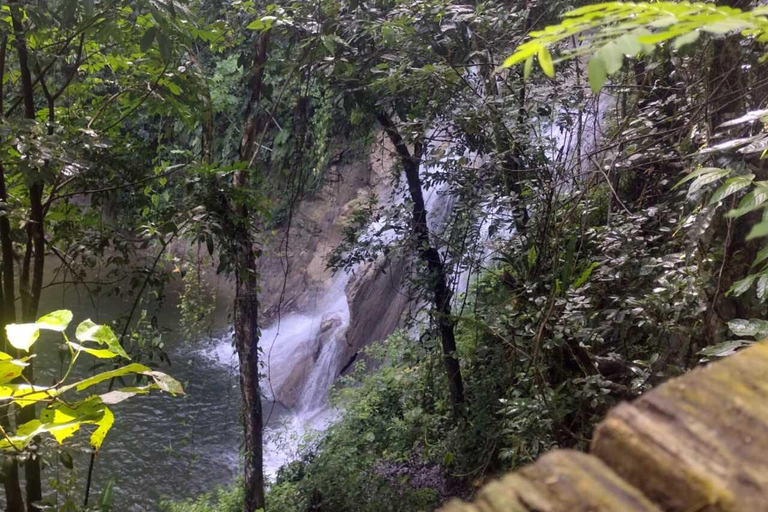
(299, 291)
(377, 300)
(696, 443)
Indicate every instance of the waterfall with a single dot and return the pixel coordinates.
(301, 355)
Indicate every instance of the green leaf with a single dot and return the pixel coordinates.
(724, 349)
(104, 425)
(752, 327)
(148, 38)
(60, 422)
(527, 68)
(752, 201)
(730, 187)
(658, 37)
(706, 179)
(596, 73)
(761, 256)
(166, 382)
(165, 46)
(11, 368)
(585, 274)
(612, 56)
(686, 39)
(759, 230)
(742, 285)
(523, 53)
(727, 25)
(101, 334)
(695, 174)
(762, 287)
(532, 255)
(22, 336)
(628, 45)
(25, 394)
(101, 353)
(545, 61)
(56, 321)
(107, 493)
(101, 377)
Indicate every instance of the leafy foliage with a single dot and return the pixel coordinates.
(615, 30)
(62, 418)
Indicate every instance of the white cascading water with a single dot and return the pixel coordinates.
(317, 336)
(320, 335)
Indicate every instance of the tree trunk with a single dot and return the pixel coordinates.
(246, 293)
(36, 246)
(10, 466)
(437, 276)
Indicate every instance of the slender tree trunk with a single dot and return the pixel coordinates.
(246, 293)
(10, 470)
(437, 275)
(35, 248)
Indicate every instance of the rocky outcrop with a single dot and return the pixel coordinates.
(697, 443)
(297, 285)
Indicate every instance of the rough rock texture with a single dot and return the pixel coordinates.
(377, 300)
(698, 443)
(561, 481)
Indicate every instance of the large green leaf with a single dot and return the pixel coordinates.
(101, 334)
(25, 394)
(695, 174)
(23, 336)
(104, 425)
(725, 349)
(134, 368)
(742, 285)
(545, 61)
(55, 321)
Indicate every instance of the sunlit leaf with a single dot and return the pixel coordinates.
(545, 61)
(166, 382)
(101, 353)
(752, 201)
(22, 336)
(55, 321)
(104, 425)
(133, 368)
(101, 334)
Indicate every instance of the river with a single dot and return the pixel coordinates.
(162, 447)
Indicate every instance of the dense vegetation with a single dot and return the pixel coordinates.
(605, 229)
